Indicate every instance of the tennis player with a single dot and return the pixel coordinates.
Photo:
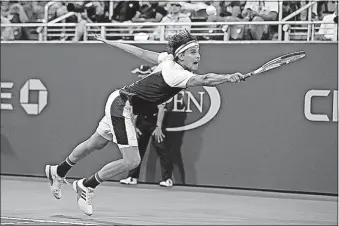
(173, 74)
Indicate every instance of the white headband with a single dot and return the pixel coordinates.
(185, 47)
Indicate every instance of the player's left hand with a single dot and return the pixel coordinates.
(158, 134)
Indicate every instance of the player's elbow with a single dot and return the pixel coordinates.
(201, 80)
(208, 80)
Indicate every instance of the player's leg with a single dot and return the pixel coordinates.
(165, 157)
(85, 187)
(57, 173)
(97, 141)
(124, 135)
(130, 160)
(143, 140)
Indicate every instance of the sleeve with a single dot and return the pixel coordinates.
(162, 56)
(175, 76)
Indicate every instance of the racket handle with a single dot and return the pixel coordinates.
(247, 76)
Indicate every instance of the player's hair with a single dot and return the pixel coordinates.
(178, 40)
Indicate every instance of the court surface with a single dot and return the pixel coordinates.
(28, 201)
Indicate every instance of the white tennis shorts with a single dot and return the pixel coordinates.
(117, 125)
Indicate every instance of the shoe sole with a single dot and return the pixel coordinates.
(49, 177)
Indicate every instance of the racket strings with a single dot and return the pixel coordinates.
(283, 60)
(291, 59)
(278, 62)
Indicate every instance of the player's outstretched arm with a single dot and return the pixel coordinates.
(147, 55)
(213, 79)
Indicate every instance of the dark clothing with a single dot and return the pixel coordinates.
(152, 90)
(125, 10)
(147, 125)
(150, 12)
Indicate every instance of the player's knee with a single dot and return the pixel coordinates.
(132, 162)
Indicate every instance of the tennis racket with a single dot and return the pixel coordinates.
(277, 62)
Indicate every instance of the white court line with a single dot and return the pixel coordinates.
(17, 223)
(42, 221)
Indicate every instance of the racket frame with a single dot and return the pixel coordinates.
(276, 63)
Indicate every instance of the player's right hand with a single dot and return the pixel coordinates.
(236, 77)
